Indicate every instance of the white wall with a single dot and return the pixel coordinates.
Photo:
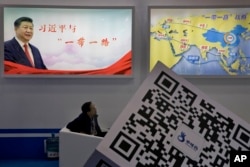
(52, 102)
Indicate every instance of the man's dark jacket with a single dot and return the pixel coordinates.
(82, 124)
(14, 52)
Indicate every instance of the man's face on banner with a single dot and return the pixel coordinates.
(25, 31)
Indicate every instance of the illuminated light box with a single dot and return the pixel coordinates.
(195, 41)
(74, 41)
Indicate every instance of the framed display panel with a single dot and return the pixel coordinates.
(72, 41)
(199, 41)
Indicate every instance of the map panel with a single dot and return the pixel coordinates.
(194, 41)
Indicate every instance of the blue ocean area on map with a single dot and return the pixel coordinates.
(199, 66)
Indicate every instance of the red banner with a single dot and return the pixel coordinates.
(121, 67)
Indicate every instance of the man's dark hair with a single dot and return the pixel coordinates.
(18, 21)
(86, 107)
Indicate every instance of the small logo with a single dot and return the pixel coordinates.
(188, 141)
(239, 158)
(181, 137)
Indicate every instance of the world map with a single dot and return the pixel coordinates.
(196, 42)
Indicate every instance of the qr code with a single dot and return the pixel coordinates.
(150, 136)
(170, 123)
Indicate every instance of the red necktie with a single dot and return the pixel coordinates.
(28, 54)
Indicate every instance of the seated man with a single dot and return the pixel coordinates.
(86, 122)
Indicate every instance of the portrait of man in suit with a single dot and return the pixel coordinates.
(19, 50)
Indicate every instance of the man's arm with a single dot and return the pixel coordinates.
(37, 58)
(8, 52)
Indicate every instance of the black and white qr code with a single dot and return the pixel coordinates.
(150, 136)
